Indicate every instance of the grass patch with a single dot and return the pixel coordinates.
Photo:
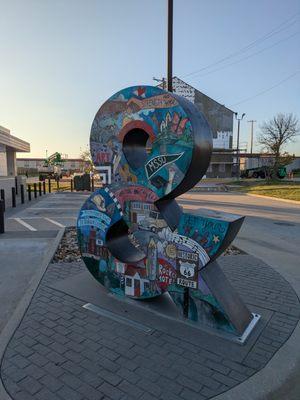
(279, 189)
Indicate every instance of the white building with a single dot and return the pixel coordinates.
(9, 145)
(37, 164)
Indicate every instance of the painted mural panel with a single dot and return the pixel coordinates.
(169, 131)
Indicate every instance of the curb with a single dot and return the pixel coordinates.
(209, 189)
(277, 381)
(17, 316)
(274, 198)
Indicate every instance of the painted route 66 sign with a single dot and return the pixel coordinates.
(150, 146)
(187, 269)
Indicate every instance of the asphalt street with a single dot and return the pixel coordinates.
(52, 212)
(271, 229)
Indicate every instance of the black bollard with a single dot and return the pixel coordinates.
(22, 194)
(44, 187)
(93, 184)
(49, 185)
(2, 197)
(35, 190)
(1, 216)
(71, 185)
(16, 185)
(13, 197)
(40, 189)
(186, 302)
(29, 192)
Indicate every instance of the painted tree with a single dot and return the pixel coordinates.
(276, 134)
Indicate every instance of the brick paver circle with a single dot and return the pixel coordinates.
(61, 351)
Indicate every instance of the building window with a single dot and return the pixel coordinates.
(128, 282)
(221, 167)
(136, 206)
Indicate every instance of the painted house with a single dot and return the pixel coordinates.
(92, 246)
(136, 281)
(138, 210)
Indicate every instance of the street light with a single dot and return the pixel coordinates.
(238, 141)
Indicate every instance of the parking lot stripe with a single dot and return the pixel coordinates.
(52, 208)
(54, 222)
(64, 217)
(31, 228)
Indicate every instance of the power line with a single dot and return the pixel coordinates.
(250, 55)
(266, 90)
(245, 48)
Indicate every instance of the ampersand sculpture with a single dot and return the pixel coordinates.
(150, 146)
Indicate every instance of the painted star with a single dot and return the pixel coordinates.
(216, 239)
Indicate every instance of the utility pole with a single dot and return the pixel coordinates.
(238, 142)
(168, 84)
(251, 139)
(170, 46)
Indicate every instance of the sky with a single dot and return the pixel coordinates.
(61, 59)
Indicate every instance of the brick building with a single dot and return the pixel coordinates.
(220, 119)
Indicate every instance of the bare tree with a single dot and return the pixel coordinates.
(85, 156)
(278, 132)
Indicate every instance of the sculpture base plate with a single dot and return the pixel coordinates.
(242, 339)
(146, 329)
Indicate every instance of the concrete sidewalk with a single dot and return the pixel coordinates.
(21, 257)
(31, 231)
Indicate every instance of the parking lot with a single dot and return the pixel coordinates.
(52, 212)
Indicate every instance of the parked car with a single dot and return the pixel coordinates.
(263, 172)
